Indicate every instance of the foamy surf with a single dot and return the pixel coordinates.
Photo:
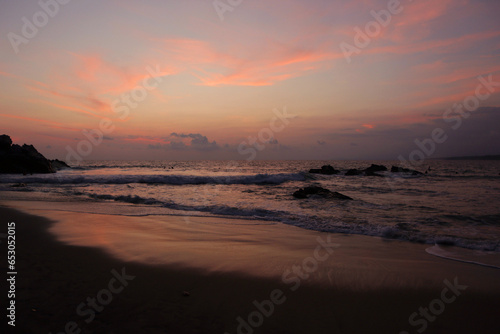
(156, 179)
(477, 257)
(438, 207)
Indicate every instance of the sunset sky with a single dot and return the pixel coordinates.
(222, 74)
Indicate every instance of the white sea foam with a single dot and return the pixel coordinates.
(155, 179)
(441, 207)
(484, 259)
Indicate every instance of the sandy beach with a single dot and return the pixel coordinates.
(95, 273)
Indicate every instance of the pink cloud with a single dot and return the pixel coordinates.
(80, 103)
(107, 78)
(65, 107)
(273, 63)
(51, 124)
(446, 82)
(438, 46)
(412, 24)
(88, 85)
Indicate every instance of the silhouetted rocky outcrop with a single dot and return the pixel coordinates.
(376, 168)
(319, 191)
(5, 143)
(326, 170)
(16, 159)
(370, 171)
(58, 164)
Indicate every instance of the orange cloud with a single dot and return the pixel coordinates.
(243, 67)
(83, 104)
(104, 77)
(50, 124)
(88, 86)
(65, 107)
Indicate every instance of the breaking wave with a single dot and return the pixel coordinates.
(158, 179)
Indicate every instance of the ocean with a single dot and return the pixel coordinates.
(454, 203)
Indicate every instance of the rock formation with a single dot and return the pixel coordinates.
(326, 170)
(16, 159)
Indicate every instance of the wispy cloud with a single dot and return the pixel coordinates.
(50, 124)
(241, 65)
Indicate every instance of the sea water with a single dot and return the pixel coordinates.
(454, 203)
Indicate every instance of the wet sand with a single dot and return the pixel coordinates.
(215, 275)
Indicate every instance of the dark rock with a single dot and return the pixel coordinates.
(370, 171)
(329, 170)
(315, 171)
(15, 159)
(395, 169)
(315, 190)
(352, 172)
(58, 164)
(326, 170)
(5, 143)
(376, 168)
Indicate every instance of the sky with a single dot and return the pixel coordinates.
(245, 80)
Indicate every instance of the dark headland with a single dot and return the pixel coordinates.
(17, 159)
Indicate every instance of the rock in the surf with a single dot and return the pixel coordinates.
(326, 170)
(58, 164)
(376, 168)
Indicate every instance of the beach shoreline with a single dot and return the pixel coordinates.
(364, 285)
